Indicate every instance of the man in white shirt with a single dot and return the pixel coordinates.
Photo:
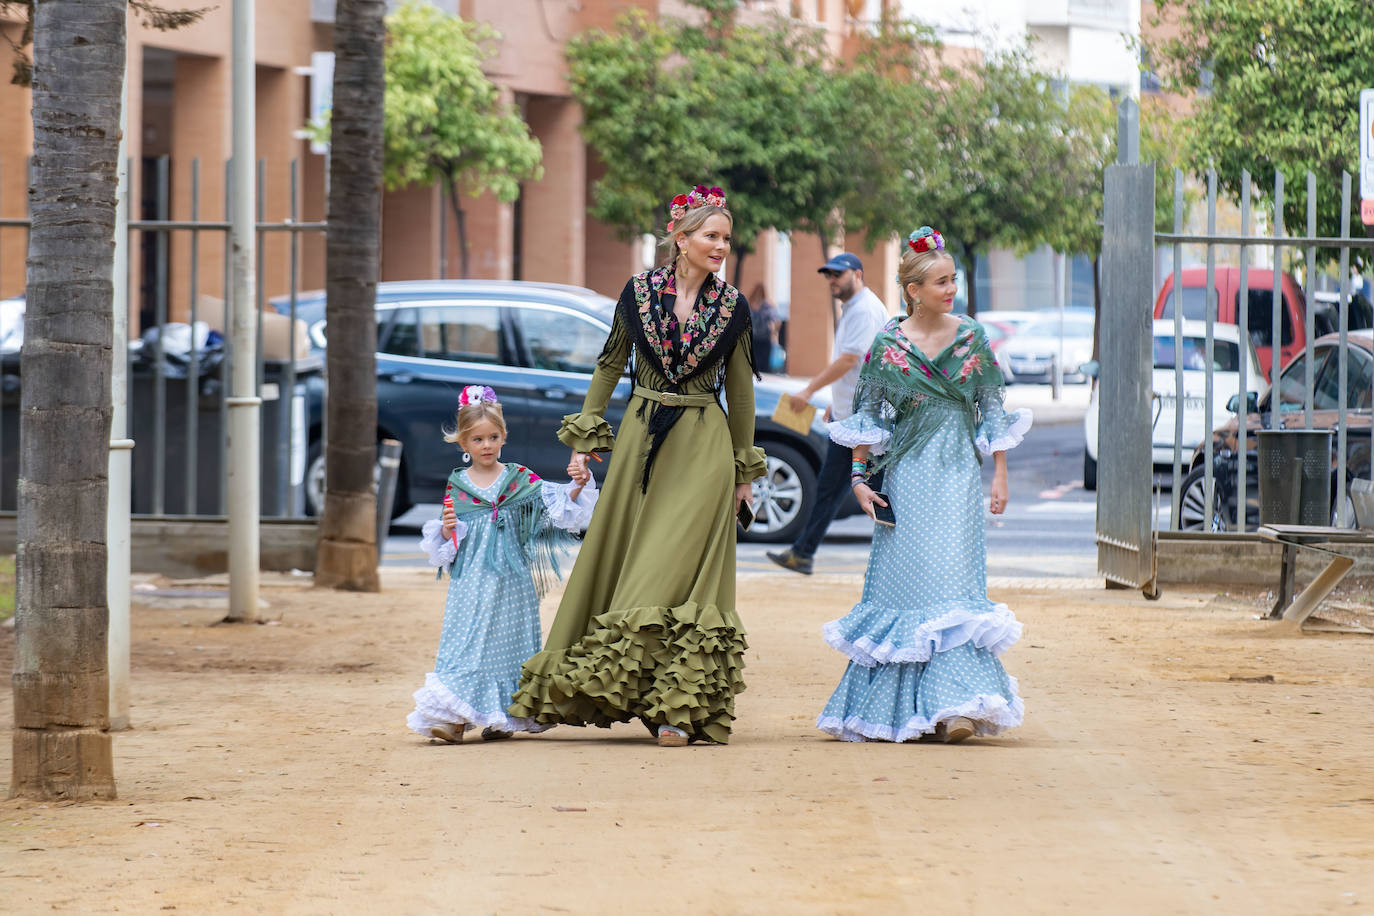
(861, 318)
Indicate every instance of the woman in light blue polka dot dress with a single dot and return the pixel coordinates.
(924, 640)
(499, 538)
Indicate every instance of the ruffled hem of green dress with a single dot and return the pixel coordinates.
(586, 432)
(677, 666)
(750, 464)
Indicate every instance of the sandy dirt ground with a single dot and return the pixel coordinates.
(1177, 757)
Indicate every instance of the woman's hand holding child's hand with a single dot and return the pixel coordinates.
(450, 521)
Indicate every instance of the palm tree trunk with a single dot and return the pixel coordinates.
(347, 556)
(61, 743)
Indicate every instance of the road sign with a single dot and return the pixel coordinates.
(1367, 144)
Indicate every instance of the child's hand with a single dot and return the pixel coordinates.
(579, 475)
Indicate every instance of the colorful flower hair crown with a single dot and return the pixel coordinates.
(476, 394)
(700, 196)
(926, 239)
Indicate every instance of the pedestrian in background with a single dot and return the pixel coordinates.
(861, 318)
(501, 529)
(647, 627)
(923, 640)
(765, 321)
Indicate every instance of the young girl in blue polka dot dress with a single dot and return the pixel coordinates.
(924, 640)
(499, 538)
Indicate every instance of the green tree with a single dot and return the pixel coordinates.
(1277, 88)
(763, 110)
(445, 121)
(978, 153)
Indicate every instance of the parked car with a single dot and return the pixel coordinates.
(1030, 354)
(536, 344)
(1224, 306)
(1226, 362)
(1326, 313)
(1222, 514)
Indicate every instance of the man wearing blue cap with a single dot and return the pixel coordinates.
(861, 318)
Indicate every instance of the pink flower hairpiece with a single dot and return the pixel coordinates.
(476, 394)
(926, 239)
(700, 196)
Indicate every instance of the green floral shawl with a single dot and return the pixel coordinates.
(911, 395)
(519, 530)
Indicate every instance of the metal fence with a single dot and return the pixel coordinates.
(1213, 483)
(178, 372)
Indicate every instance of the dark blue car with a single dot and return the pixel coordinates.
(536, 344)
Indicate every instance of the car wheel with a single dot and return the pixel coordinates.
(782, 497)
(314, 484)
(1089, 471)
(1193, 513)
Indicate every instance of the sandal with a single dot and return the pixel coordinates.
(492, 733)
(452, 734)
(671, 736)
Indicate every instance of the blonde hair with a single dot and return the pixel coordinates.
(688, 224)
(470, 415)
(915, 267)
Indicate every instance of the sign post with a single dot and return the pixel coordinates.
(1367, 156)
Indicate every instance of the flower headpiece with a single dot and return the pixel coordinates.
(926, 239)
(700, 196)
(476, 394)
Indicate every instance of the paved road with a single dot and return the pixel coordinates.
(1047, 531)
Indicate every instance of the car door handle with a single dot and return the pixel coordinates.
(400, 378)
(556, 394)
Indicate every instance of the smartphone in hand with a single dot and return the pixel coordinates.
(745, 515)
(883, 514)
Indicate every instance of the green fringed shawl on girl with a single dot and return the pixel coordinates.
(519, 531)
(897, 379)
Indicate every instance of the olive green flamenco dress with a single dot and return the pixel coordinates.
(647, 627)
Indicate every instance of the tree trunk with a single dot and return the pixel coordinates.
(62, 746)
(972, 283)
(461, 224)
(739, 269)
(347, 556)
(1097, 302)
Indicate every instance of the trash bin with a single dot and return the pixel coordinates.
(1294, 476)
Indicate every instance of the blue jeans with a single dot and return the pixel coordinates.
(832, 483)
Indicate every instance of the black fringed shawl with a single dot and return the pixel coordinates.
(720, 317)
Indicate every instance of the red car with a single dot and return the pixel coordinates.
(1224, 306)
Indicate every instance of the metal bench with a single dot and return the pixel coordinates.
(1293, 610)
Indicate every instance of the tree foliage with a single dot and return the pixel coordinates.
(763, 110)
(445, 120)
(1277, 88)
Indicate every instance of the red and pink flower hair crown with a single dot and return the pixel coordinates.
(926, 239)
(476, 394)
(700, 196)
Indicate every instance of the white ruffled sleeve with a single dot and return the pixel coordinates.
(441, 550)
(998, 430)
(859, 428)
(565, 512)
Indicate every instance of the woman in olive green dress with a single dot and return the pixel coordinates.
(647, 627)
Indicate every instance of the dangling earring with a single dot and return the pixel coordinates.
(918, 308)
(466, 457)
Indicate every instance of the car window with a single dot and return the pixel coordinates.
(1195, 303)
(1261, 318)
(1326, 392)
(470, 333)
(1049, 327)
(558, 341)
(403, 339)
(1293, 382)
(1225, 354)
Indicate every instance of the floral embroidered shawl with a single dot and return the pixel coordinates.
(519, 529)
(720, 317)
(911, 394)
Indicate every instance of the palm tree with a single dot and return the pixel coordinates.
(347, 556)
(62, 746)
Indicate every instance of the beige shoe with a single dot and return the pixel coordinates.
(670, 736)
(957, 729)
(453, 734)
